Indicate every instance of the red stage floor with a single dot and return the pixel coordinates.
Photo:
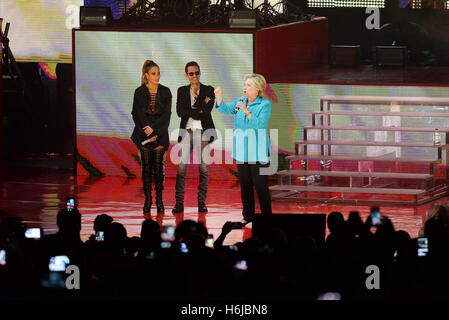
(36, 194)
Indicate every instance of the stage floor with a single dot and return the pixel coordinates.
(36, 194)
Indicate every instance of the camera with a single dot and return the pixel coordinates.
(375, 216)
(33, 233)
(99, 236)
(71, 203)
(58, 263)
(2, 257)
(423, 247)
(210, 241)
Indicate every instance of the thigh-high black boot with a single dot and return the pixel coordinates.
(159, 177)
(147, 177)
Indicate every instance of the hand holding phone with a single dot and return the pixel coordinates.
(168, 234)
(210, 241)
(241, 265)
(71, 204)
(375, 216)
(423, 247)
(33, 233)
(99, 236)
(2, 257)
(58, 263)
(237, 225)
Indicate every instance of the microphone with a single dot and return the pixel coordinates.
(242, 98)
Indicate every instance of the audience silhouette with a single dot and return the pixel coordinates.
(158, 267)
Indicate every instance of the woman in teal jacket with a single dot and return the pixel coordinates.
(251, 144)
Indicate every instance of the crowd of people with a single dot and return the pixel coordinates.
(180, 262)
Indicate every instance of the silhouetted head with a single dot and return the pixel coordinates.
(402, 236)
(184, 228)
(201, 229)
(150, 233)
(437, 224)
(149, 226)
(334, 221)
(69, 221)
(276, 238)
(354, 223)
(12, 227)
(304, 245)
(101, 221)
(115, 236)
(194, 240)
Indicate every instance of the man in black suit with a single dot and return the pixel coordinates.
(194, 105)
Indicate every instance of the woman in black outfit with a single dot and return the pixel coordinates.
(151, 114)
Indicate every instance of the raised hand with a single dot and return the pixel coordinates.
(219, 95)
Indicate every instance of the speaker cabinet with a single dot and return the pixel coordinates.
(95, 16)
(294, 225)
(345, 56)
(390, 56)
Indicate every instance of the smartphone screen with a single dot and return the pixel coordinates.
(58, 263)
(168, 234)
(375, 216)
(99, 236)
(183, 247)
(423, 247)
(33, 233)
(210, 241)
(2, 257)
(70, 204)
(241, 265)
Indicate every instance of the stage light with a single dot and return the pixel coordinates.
(242, 19)
(346, 3)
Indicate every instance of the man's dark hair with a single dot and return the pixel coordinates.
(101, 221)
(192, 64)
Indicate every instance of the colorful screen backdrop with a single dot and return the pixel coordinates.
(41, 30)
(108, 68)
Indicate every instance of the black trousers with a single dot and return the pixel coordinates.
(250, 177)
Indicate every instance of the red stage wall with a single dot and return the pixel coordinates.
(286, 50)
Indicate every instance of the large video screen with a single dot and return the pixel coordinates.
(108, 68)
(41, 30)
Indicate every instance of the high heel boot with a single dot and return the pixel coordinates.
(159, 176)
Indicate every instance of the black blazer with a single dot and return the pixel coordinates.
(201, 110)
(158, 120)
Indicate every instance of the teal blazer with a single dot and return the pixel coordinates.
(250, 141)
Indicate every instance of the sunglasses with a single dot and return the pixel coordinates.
(193, 73)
